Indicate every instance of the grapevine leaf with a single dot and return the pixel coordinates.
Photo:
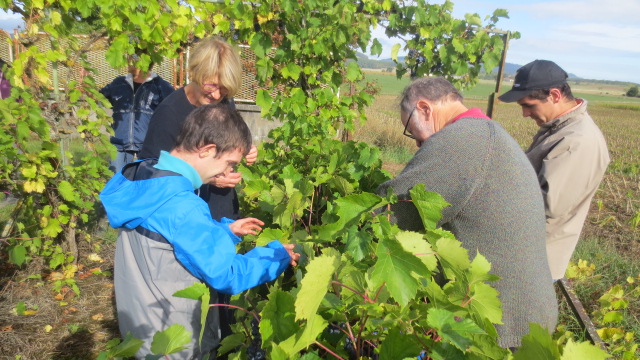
(353, 71)
(53, 228)
(314, 285)
(67, 191)
(349, 209)
(583, 350)
(305, 337)
(200, 292)
(277, 353)
(479, 270)
(264, 100)
(376, 47)
(230, 342)
(485, 302)
(268, 235)
(394, 52)
(127, 348)
(17, 255)
(612, 317)
(454, 258)
(278, 317)
(415, 243)
(457, 332)
(171, 340)
(193, 292)
(399, 346)
(429, 205)
(538, 344)
(358, 243)
(395, 268)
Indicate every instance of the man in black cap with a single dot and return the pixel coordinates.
(569, 154)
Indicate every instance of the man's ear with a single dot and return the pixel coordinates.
(425, 107)
(207, 150)
(556, 95)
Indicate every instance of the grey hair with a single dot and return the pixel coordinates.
(433, 89)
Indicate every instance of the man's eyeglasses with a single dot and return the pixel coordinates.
(209, 88)
(406, 131)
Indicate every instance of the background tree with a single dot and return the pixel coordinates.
(633, 91)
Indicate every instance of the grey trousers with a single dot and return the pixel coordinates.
(146, 274)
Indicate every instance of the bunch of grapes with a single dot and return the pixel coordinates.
(255, 351)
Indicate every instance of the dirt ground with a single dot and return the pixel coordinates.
(58, 325)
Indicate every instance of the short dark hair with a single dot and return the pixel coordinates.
(543, 94)
(217, 124)
(434, 89)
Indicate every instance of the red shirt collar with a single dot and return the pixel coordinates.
(473, 112)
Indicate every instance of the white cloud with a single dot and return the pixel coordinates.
(620, 11)
(603, 36)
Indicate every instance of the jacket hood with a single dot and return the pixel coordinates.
(130, 201)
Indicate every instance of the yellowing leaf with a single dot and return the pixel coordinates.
(56, 276)
(34, 186)
(97, 317)
(48, 328)
(70, 271)
(95, 258)
(30, 312)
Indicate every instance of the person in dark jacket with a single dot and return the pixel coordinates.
(496, 205)
(133, 97)
(168, 240)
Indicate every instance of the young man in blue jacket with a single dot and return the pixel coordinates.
(133, 97)
(168, 240)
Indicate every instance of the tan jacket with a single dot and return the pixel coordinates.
(570, 156)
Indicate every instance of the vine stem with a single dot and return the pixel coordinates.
(255, 316)
(329, 351)
(365, 297)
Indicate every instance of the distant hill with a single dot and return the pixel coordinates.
(510, 69)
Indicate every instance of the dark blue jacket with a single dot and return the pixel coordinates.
(132, 112)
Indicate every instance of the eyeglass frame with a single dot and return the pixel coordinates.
(406, 126)
(216, 87)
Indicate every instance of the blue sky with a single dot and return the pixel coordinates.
(592, 39)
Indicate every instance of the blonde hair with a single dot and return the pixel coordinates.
(213, 57)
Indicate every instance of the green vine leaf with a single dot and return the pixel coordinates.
(171, 340)
(315, 284)
(396, 268)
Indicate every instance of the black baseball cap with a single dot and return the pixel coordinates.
(536, 75)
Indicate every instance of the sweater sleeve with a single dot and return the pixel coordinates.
(205, 248)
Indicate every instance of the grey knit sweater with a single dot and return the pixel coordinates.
(496, 209)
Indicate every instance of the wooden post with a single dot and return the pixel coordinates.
(492, 97)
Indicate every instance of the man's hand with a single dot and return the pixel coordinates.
(252, 156)
(227, 181)
(246, 226)
(294, 256)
